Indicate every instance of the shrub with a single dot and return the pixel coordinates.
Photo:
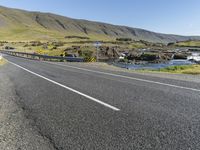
(58, 44)
(170, 44)
(87, 53)
(180, 56)
(124, 39)
(149, 56)
(36, 43)
(9, 48)
(77, 37)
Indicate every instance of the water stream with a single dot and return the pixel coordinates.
(174, 62)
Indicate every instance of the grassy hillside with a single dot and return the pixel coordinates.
(189, 44)
(18, 25)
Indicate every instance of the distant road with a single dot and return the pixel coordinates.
(85, 108)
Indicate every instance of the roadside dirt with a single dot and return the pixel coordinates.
(17, 132)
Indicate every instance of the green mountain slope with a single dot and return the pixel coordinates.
(24, 25)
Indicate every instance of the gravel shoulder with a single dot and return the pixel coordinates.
(17, 132)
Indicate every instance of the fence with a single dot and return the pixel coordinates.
(42, 57)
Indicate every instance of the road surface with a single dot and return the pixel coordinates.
(76, 107)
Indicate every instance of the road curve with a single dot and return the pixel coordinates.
(85, 108)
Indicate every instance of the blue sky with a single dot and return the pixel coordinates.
(166, 16)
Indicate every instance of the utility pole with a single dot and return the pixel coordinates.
(97, 49)
(97, 45)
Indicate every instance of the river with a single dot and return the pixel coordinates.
(154, 66)
(174, 62)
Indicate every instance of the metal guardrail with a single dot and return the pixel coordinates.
(42, 57)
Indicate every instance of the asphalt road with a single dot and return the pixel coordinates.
(87, 108)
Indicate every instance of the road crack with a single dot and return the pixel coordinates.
(33, 122)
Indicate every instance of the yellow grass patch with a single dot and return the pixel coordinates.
(2, 61)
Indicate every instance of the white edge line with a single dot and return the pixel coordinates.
(68, 88)
(122, 76)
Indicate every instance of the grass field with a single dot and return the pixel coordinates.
(189, 44)
(187, 69)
